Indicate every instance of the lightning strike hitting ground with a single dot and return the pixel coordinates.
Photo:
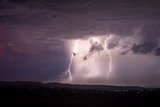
(69, 68)
(75, 51)
(109, 55)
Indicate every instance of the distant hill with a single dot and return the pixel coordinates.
(28, 84)
(67, 95)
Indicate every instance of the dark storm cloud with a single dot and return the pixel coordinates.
(157, 51)
(144, 48)
(95, 47)
(91, 17)
(150, 39)
(32, 30)
(111, 45)
(151, 32)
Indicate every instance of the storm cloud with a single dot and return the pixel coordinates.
(32, 36)
(95, 47)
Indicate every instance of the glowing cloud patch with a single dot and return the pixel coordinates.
(90, 59)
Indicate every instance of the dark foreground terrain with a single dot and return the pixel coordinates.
(67, 95)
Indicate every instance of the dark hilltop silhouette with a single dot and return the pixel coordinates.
(57, 94)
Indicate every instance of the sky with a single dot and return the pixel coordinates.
(34, 33)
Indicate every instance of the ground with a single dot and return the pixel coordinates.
(67, 95)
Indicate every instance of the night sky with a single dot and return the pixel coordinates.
(32, 35)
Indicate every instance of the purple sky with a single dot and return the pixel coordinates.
(32, 34)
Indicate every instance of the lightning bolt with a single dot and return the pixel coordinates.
(69, 68)
(67, 74)
(109, 55)
(74, 52)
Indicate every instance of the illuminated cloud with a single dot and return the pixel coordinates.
(90, 60)
(33, 37)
